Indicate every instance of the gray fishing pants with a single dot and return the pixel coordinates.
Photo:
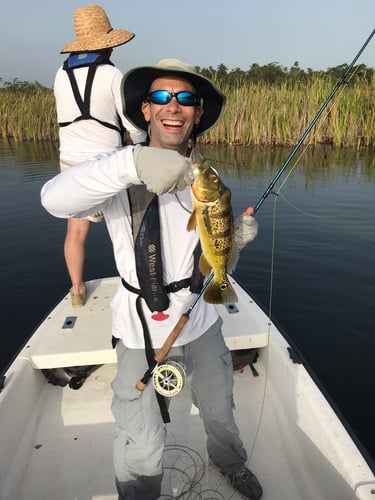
(140, 432)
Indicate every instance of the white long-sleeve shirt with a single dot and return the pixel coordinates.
(85, 139)
(100, 184)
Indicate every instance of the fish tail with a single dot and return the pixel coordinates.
(220, 293)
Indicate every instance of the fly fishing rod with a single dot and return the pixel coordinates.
(313, 122)
(300, 142)
(164, 378)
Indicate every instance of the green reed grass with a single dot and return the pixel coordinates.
(256, 114)
(263, 114)
(28, 116)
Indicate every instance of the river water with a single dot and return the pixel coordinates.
(315, 251)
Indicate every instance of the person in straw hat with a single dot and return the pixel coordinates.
(144, 193)
(89, 112)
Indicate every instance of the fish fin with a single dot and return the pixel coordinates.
(204, 266)
(216, 293)
(192, 222)
(234, 258)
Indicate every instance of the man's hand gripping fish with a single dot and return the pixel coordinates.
(213, 217)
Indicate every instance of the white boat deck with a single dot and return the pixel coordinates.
(65, 451)
(82, 336)
(70, 440)
(56, 443)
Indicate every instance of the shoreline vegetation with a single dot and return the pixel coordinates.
(266, 106)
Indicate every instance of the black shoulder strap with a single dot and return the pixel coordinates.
(84, 104)
(149, 350)
(147, 246)
(144, 209)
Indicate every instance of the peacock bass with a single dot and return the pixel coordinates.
(213, 217)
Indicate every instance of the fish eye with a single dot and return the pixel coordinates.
(214, 176)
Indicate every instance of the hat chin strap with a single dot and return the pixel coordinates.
(194, 136)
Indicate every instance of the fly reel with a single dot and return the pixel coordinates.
(168, 378)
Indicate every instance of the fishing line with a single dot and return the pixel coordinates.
(273, 243)
(320, 125)
(183, 206)
(190, 467)
(327, 113)
(185, 316)
(267, 350)
(269, 191)
(268, 346)
(295, 149)
(311, 125)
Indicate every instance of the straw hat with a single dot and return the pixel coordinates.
(136, 84)
(94, 31)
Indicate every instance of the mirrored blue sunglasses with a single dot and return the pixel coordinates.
(185, 98)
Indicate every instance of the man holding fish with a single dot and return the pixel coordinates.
(151, 212)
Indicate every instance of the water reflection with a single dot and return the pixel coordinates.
(33, 160)
(318, 163)
(29, 152)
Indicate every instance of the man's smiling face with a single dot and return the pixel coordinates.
(171, 124)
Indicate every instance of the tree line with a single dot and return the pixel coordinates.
(272, 73)
(276, 74)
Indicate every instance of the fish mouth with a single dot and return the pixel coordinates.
(201, 194)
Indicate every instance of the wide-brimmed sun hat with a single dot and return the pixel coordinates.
(136, 84)
(94, 31)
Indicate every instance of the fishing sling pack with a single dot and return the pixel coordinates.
(144, 208)
(92, 60)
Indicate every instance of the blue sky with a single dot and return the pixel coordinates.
(316, 33)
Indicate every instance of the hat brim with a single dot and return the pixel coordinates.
(136, 84)
(109, 40)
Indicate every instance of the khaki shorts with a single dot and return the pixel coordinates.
(97, 216)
